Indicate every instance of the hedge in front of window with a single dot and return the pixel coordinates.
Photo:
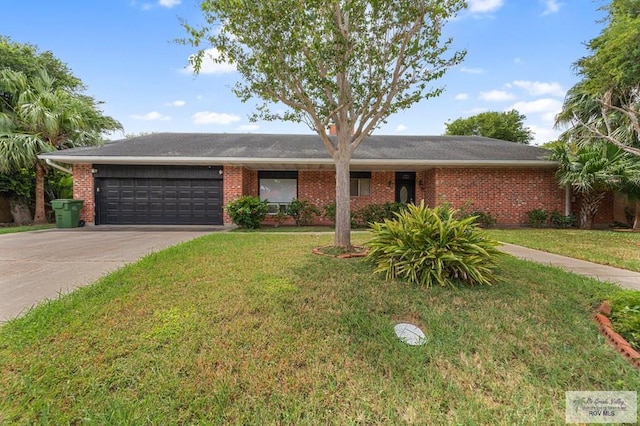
(247, 211)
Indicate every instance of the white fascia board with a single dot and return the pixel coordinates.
(81, 159)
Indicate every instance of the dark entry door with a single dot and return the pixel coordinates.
(405, 187)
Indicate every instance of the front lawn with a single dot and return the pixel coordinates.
(14, 229)
(615, 248)
(254, 329)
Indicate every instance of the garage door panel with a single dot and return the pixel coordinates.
(157, 201)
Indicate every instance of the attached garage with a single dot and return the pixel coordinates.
(158, 195)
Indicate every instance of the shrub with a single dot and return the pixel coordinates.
(432, 246)
(481, 217)
(247, 211)
(625, 316)
(302, 211)
(373, 213)
(561, 221)
(484, 218)
(330, 213)
(280, 218)
(537, 217)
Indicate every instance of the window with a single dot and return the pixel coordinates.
(278, 188)
(360, 184)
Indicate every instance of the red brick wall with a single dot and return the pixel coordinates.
(83, 190)
(426, 187)
(507, 193)
(502, 192)
(319, 188)
(234, 185)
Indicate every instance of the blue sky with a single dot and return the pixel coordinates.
(520, 56)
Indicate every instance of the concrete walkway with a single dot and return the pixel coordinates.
(622, 277)
(40, 265)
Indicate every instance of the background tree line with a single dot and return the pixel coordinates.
(42, 108)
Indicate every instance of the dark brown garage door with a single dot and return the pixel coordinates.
(158, 195)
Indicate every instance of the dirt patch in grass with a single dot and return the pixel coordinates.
(340, 252)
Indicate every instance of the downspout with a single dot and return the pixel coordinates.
(567, 200)
(58, 166)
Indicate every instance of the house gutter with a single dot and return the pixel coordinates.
(57, 166)
(71, 159)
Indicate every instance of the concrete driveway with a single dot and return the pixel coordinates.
(40, 265)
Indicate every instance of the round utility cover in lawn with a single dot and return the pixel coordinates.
(410, 334)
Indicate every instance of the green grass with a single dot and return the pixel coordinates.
(254, 329)
(13, 229)
(614, 248)
(280, 229)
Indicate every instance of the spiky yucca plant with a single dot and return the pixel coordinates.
(428, 246)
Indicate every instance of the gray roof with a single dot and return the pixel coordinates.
(277, 151)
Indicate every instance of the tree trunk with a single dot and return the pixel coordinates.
(343, 202)
(590, 204)
(39, 217)
(636, 219)
(20, 212)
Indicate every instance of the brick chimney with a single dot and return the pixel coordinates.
(333, 130)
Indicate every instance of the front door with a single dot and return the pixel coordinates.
(405, 187)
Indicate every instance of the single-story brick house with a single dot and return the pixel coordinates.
(187, 178)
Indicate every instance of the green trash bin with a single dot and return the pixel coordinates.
(67, 212)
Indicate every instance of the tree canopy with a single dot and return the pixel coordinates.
(507, 126)
(605, 104)
(39, 113)
(592, 169)
(351, 63)
(26, 58)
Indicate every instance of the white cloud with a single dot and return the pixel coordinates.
(169, 3)
(206, 117)
(209, 64)
(548, 108)
(178, 103)
(248, 127)
(518, 61)
(476, 111)
(539, 88)
(471, 70)
(401, 128)
(151, 116)
(543, 134)
(462, 97)
(496, 96)
(484, 6)
(551, 6)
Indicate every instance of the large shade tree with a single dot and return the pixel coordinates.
(605, 104)
(351, 63)
(26, 58)
(36, 116)
(507, 126)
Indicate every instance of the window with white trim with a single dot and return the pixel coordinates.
(360, 184)
(278, 188)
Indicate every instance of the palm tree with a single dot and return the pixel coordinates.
(611, 118)
(36, 117)
(592, 170)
